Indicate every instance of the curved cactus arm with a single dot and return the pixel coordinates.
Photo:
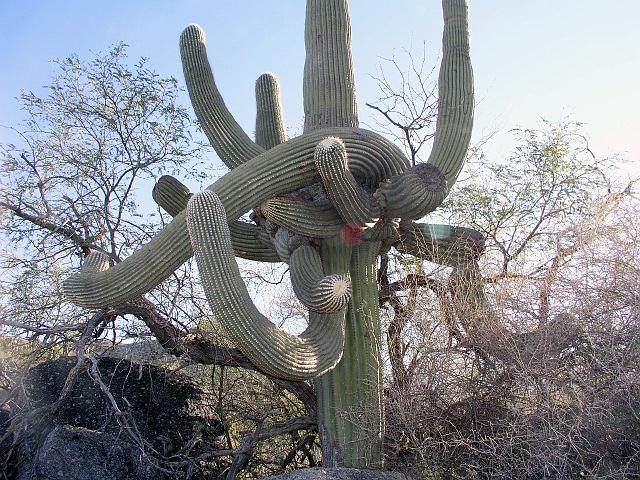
(248, 240)
(281, 244)
(230, 142)
(275, 352)
(171, 194)
(455, 93)
(422, 189)
(354, 204)
(269, 124)
(443, 244)
(418, 191)
(315, 290)
(303, 217)
(290, 166)
(135, 276)
(96, 262)
(328, 85)
(282, 169)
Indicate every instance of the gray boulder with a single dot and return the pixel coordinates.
(320, 473)
(73, 453)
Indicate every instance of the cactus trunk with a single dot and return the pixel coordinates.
(350, 403)
(324, 202)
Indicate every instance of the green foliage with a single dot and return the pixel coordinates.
(70, 180)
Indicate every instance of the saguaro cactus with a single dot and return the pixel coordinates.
(355, 185)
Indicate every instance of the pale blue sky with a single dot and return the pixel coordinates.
(531, 59)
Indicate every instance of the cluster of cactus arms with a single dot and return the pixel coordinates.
(327, 203)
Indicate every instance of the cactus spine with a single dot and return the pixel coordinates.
(326, 202)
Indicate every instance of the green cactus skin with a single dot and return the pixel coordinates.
(363, 176)
(319, 220)
(232, 145)
(442, 244)
(315, 290)
(249, 241)
(171, 194)
(328, 86)
(284, 168)
(310, 354)
(415, 193)
(354, 204)
(269, 123)
(404, 196)
(281, 243)
(96, 262)
(350, 403)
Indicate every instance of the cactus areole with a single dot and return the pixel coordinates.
(327, 203)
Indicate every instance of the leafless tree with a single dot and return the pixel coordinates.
(525, 366)
(78, 177)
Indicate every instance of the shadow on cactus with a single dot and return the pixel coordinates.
(327, 202)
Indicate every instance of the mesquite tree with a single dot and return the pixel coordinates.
(328, 203)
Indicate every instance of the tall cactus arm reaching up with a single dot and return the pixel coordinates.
(402, 195)
(307, 356)
(229, 140)
(328, 85)
(269, 124)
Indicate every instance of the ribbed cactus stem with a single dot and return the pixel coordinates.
(96, 262)
(249, 241)
(315, 290)
(269, 123)
(135, 276)
(328, 86)
(281, 244)
(301, 357)
(415, 193)
(171, 195)
(422, 189)
(313, 219)
(355, 205)
(441, 244)
(226, 136)
(455, 93)
(282, 169)
(350, 403)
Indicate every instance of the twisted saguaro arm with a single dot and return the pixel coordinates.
(229, 140)
(317, 291)
(312, 353)
(403, 195)
(328, 86)
(171, 195)
(269, 124)
(248, 240)
(372, 158)
(353, 203)
(303, 217)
